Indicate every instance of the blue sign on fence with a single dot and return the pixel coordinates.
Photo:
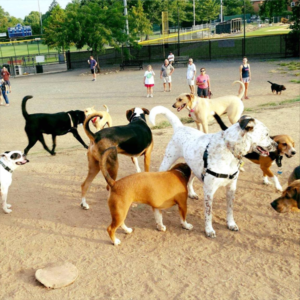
(19, 31)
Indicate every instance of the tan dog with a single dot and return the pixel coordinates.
(201, 108)
(99, 123)
(160, 190)
(290, 199)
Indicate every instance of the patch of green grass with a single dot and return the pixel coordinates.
(283, 72)
(289, 101)
(268, 104)
(296, 74)
(283, 64)
(295, 81)
(186, 120)
(249, 109)
(161, 125)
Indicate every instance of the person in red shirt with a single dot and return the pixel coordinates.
(5, 75)
(203, 83)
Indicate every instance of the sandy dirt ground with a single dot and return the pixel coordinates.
(47, 224)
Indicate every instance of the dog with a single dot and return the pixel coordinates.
(285, 146)
(214, 158)
(160, 190)
(277, 88)
(9, 161)
(134, 139)
(289, 200)
(295, 175)
(200, 108)
(55, 124)
(97, 122)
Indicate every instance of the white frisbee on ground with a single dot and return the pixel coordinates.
(56, 276)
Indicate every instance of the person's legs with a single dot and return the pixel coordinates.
(8, 83)
(246, 90)
(164, 86)
(5, 97)
(151, 91)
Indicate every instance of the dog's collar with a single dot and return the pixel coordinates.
(192, 109)
(5, 167)
(184, 175)
(138, 117)
(206, 170)
(72, 125)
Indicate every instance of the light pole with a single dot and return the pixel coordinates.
(178, 47)
(194, 13)
(126, 16)
(40, 18)
(244, 48)
(221, 14)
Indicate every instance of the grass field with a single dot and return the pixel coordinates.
(268, 30)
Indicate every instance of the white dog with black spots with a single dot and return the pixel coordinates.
(225, 150)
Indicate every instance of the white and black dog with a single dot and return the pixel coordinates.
(9, 161)
(214, 158)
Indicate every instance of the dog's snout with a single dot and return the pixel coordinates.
(174, 105)
(294, 152)
(274, 204)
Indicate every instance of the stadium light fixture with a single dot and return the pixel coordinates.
(40, 17)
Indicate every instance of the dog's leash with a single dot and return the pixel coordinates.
(5, 167)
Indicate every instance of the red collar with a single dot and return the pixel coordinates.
(94, 119)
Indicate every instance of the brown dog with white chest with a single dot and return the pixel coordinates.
(98, 122)
(160, 190)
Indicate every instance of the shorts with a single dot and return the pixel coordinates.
(149, 85)
(191, 82)
(246, 79)
(8, 82)
(202, 92)
(93, 71)
(167, 79)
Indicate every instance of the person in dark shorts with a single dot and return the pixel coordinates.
(5, 75)
(245, 76)
(93, 65)
(203, 83)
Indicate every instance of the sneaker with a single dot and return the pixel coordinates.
(151, 96)
(94, 79)
(148, 95)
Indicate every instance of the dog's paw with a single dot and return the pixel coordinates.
(267, 182)
(193, 196)
(278, 188)
(187, 226)
(7, 211)
(242, 169)
(85, 206)
(86, 147)
(8, 205)
(161, 227)
(128, 230)
(233, 227)
(117, 242)
(53, 153)
(211, 234)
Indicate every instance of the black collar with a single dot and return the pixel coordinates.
(205, 170)
(134, 117)
(5, 167)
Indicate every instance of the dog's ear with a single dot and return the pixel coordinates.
(191, 97)
(129, 113)
(246, 123)
(146, 111)
(296, 195)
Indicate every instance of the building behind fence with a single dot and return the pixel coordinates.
(273, 46)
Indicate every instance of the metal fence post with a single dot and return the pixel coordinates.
(209, 49)
(68, 57)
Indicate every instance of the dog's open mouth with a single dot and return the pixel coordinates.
(181, 107)
(23, 162)
(262, 151)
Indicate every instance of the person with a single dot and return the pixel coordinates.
(190, 75)
(149, 81)
(203, 83)
(5, 75)
(93, 65)
(245, 76)
(171, 58)
(165, 73)
(4, 90)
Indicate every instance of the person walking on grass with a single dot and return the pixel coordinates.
(203, 83)
(165, 73)
(149, 81)
(190, 75)
(92, 62)
(245, 76)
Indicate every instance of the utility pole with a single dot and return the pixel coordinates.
(178, 46)
(221, 14)
(126, 16)
(244, 48)
(194, 13)
(40, 17)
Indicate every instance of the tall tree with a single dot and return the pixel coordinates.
(7, 21)
(33, 20)
(293, 38)
(207, 10)
(236, 7)
(272, 8)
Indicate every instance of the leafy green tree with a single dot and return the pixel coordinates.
(272, 8)
(7, 21)
(293, 38)
(139, 24)
(207, 10)
(33, 20)
(236, 7)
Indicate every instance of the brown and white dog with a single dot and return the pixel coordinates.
(99, 123)
(134, 139)
(289, 200)
(160, 190)
(200, 108)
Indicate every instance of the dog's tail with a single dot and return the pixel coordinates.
(270, 82)
(86, 126)
(24, 111)
(219, 120)
(243, 88)
(173, 119)
(107, 110)
(109, 153)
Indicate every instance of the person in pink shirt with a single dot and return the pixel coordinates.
(203, 83)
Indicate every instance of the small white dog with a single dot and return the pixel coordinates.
(9, 161)
(214, 158)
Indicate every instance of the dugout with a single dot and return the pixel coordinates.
(230, 26)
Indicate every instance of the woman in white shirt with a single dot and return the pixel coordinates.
(149, 81)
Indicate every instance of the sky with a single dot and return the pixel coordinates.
(22, 8)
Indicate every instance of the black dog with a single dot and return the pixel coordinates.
(54, 124)
(277, 88)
